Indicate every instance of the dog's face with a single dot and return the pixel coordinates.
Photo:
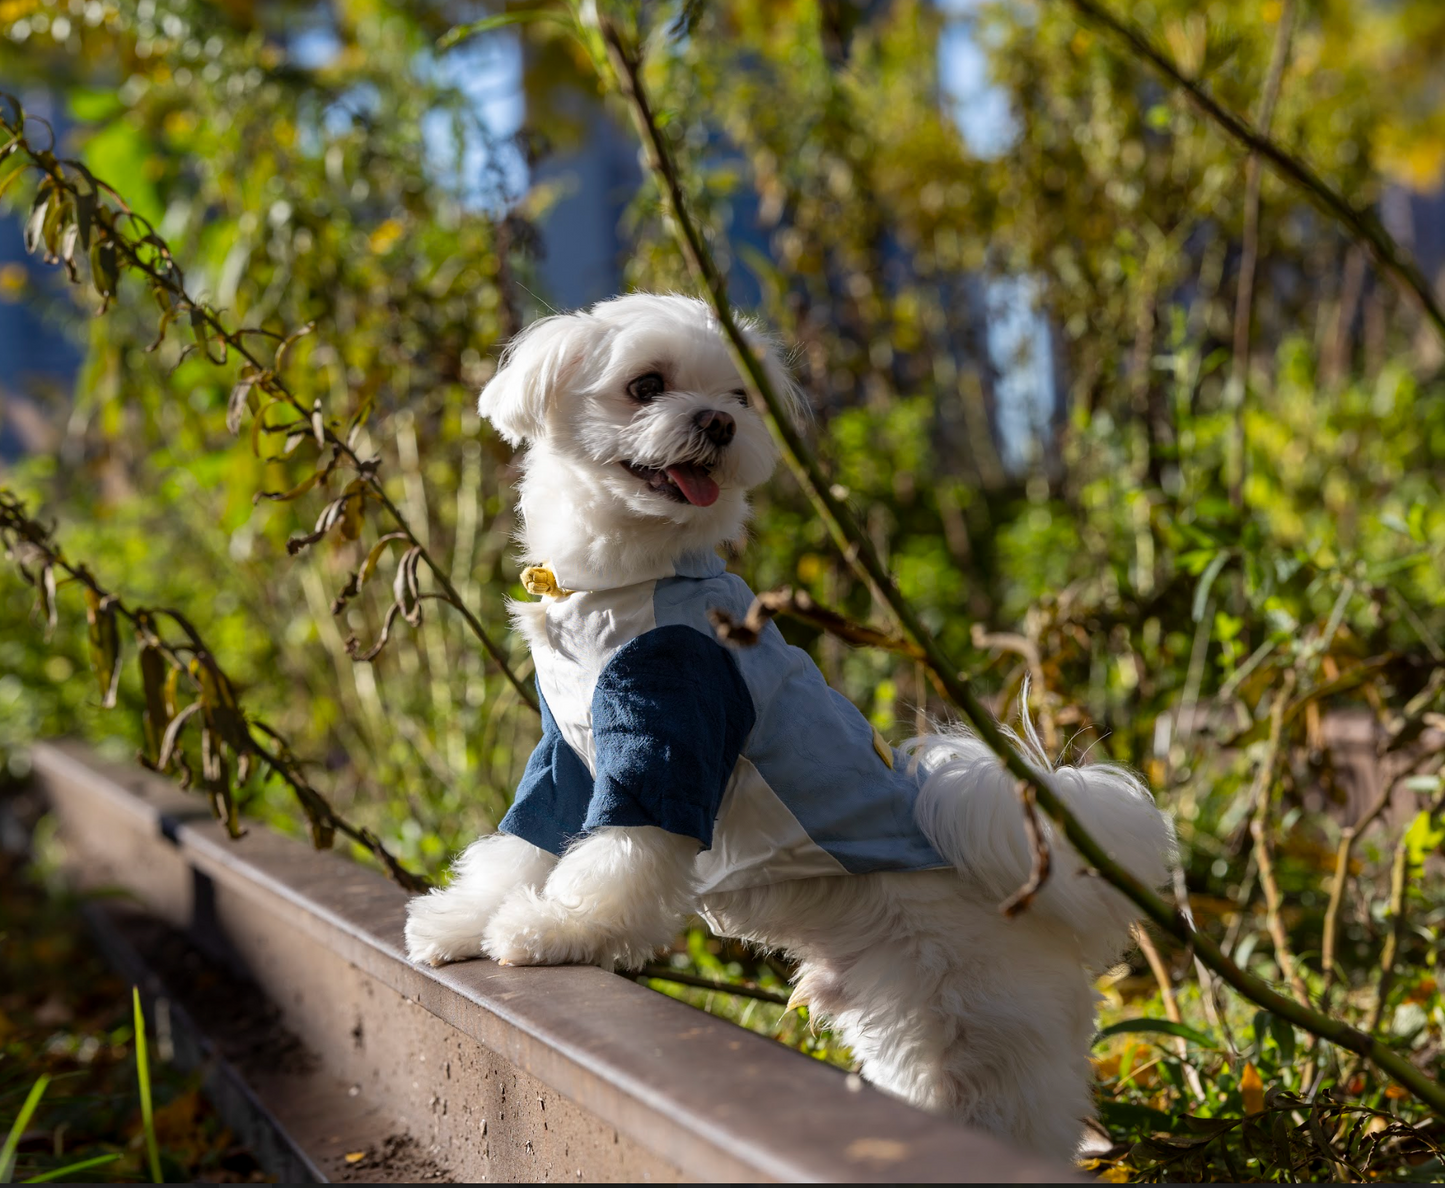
(639, 398)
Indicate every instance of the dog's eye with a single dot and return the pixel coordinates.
(741, 395)
(646, 387)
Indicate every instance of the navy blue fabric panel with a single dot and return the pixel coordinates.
(670, 715)
(550, 807)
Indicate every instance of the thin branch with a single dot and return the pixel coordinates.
(1161, 973)
(858, 550)
(1040, 861)
(743, 989)
(1364, 225)
(1344, 851)
(799, 604)
(1260, 828)
(1249, 255)
(1399, 901)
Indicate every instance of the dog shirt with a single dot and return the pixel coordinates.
(647, 719)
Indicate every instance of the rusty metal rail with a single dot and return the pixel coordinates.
(472, 1072)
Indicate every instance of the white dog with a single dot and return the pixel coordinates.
(676, 775)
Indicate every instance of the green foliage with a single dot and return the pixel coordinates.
(1235, 649)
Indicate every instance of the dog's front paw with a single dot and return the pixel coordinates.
(440, 928)
(530, 929)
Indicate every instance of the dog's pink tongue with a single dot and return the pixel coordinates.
(695, 483)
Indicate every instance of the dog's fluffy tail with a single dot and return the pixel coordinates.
(969, 809)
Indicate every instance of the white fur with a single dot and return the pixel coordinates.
(943, 1001)
(446, 925)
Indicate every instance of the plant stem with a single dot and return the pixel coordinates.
(858, 550)
(1249, 255)
(742, 989)
(1399, 901)
(1260, 830)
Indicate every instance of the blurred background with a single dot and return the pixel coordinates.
(1007, 260)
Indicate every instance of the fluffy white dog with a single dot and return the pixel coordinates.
(676, 775)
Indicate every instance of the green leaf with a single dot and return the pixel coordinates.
(68, 1172)
(1125, 1115)
(173, 733)
(153, 672)
(143, 1076)
(1283, 1032)
(1159, 1027)
(201, 328)
(1423, 838)
(1201, 592)
(460, 33)
(1209, 1126)
(35, 224)
(94, 105)
(9, 175)
(22, 1120)
(104, 644)
(103, 269)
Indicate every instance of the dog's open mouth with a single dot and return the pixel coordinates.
(684, 482)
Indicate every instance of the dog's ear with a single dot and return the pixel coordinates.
(535, 364)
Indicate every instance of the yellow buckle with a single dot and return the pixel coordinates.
(541, 582)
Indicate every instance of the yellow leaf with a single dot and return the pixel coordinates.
(811, 567)
(13, 279)
(385, 236)
(1252, 1088)
(1118, 1174)
(355, 1156)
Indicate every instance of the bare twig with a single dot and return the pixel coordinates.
(1343, 854)
(741, 989)
(1260, 829)
(799, 604)
(1160, 971)
(1399, 899)
(1022, 645)
(1249, 255)
(1344, 851)
(1364, 225)
(1171, 1003)
(1041, 861)
(856, 547)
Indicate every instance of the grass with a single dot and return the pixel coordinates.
(143, 1076)
(82, 1095)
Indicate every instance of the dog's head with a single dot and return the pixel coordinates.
(638, 402)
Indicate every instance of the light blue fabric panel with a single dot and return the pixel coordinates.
(811, 744)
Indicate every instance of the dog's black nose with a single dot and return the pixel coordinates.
(718, 427)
